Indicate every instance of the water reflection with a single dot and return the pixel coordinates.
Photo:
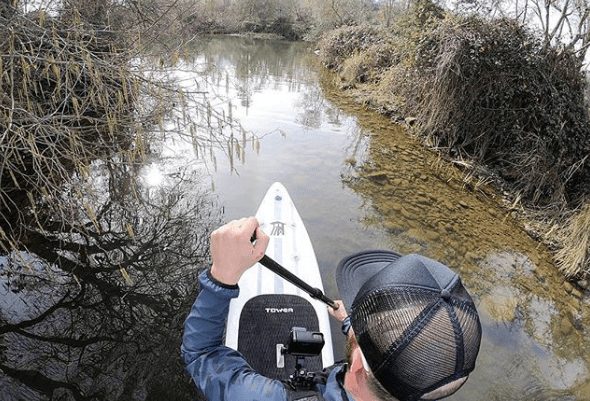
(96, 297)
(241, 67)
(301, 138)
(152, 176)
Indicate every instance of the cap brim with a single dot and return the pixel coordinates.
(354, 271)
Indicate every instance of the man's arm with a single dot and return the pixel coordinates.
(220, 372)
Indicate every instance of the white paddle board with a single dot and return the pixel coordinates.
(268, 306)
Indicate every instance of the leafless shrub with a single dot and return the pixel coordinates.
(67, 98)
(342, 43)
(69, 95)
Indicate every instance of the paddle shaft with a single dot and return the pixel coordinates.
(315, 293)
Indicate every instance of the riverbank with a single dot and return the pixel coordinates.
(491, 98)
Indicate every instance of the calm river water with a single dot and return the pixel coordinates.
(360, 182)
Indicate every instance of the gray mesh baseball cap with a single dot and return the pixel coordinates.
(416, 324)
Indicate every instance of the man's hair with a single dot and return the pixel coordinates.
(374, 386)
(377, 388)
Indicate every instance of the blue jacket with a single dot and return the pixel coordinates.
(222, 373)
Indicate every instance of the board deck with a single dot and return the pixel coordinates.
(268, 307)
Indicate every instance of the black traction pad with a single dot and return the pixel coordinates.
(266, 321)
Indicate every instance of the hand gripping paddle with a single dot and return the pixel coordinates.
(275, 267)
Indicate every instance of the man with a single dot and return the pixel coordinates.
(413, 331)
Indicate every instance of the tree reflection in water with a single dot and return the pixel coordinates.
(92, 303)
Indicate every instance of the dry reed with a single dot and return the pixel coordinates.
(573, 259)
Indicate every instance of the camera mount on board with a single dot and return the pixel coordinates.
(301, 344)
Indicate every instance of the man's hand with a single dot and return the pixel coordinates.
(232, 252)
(340, 313)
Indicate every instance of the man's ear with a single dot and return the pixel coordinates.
(356, 361)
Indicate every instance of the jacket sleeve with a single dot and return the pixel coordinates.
(221, 373)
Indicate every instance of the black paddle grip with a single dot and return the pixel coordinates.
(275, 267)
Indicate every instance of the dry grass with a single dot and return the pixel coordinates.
(488, 91)
(368, 65)
(481, 96)
(573, 259)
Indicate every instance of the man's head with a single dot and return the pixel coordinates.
(416, 325)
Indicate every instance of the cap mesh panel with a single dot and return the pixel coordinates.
(382, 327)
(431, 356)
(469, 322)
